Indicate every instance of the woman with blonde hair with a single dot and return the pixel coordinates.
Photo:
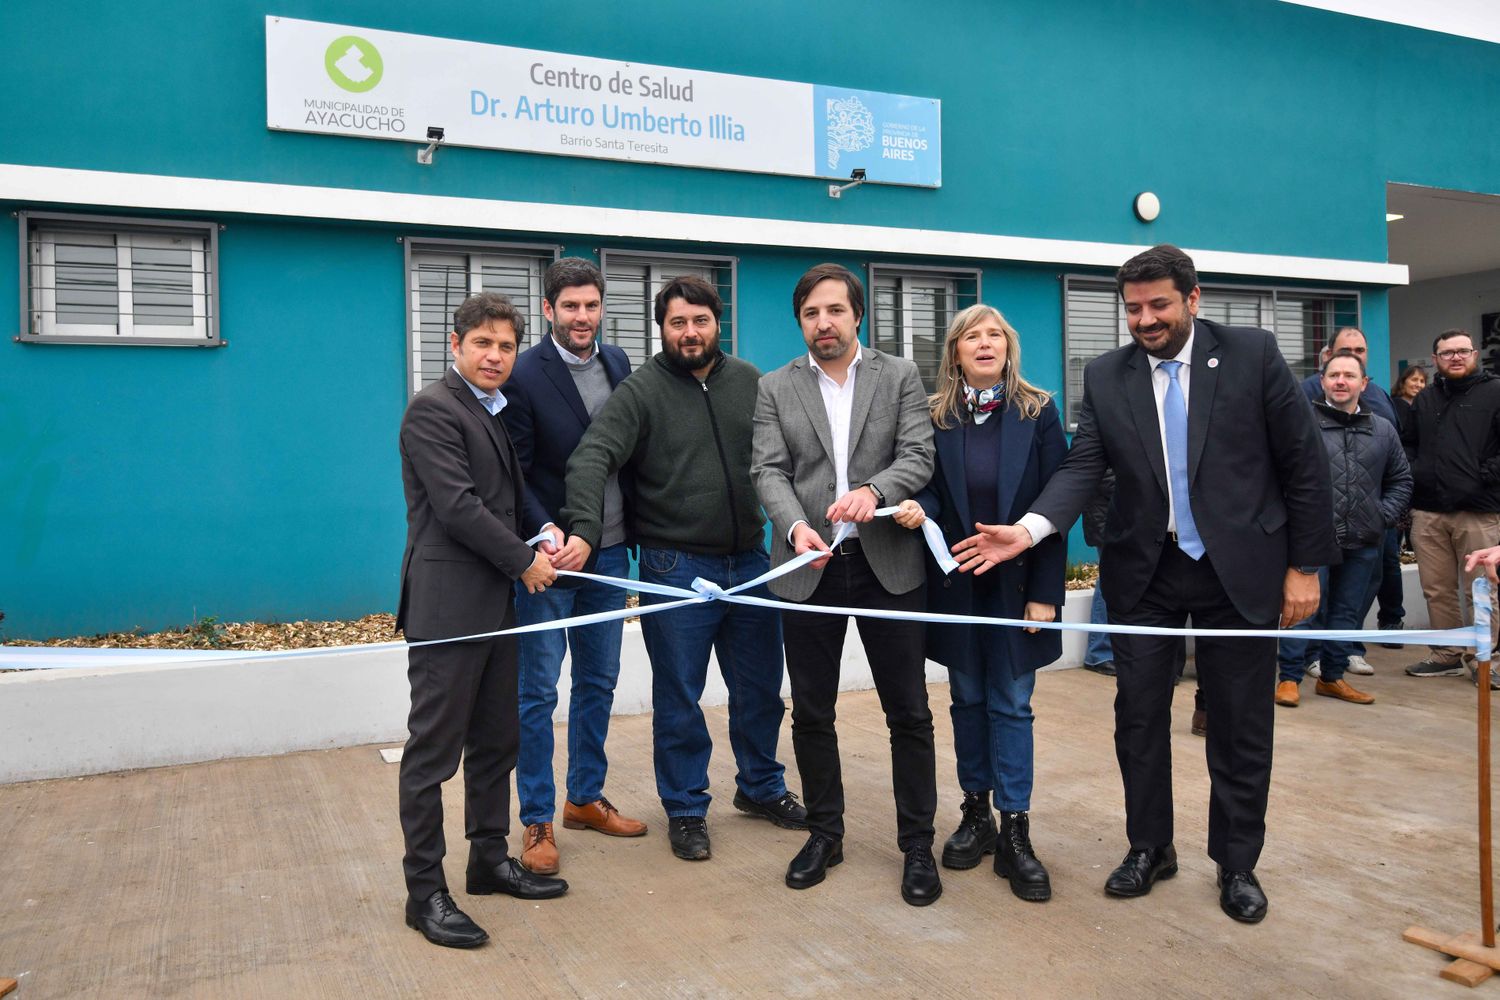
(998, 440)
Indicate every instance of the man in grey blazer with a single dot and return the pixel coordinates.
(464, 552)
(840, 432)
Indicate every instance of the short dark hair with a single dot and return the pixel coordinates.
(691, 289)
(827, 272)
(1345, 354)
(486, 307)
(1449, 335)
(570, 272)
(1161, 261)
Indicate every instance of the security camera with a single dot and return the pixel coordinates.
(856, 178)
(857, 174)
(434, 136)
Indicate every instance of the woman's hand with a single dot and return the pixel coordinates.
(909, 514)
(1036, 612)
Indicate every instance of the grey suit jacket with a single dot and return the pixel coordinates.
(890, 445)
(463, 515)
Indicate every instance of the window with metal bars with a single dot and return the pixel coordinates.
(104, 280)
(632, 278)
(910, 309)
(1303, 322)
(442, 273)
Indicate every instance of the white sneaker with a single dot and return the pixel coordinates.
(1315, 669)
(1359, 665)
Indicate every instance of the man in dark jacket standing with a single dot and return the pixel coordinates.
(682, 425)
(1453, 439)
(1371, 489)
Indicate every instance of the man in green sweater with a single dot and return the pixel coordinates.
(682, 423)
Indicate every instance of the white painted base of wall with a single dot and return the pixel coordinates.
(61, 723)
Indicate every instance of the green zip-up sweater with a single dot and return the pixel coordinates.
(688, 446)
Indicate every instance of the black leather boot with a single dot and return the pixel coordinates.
(1016, 861)
(975, 836)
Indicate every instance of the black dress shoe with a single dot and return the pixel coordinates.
(1241, 897)
(1107, 668)
(1016, 862)
(1140, 869)
(513, 880)
(975, 836)
(811, 864)
(786, 812)
(689, 837)
(920, 884)
(442, 922)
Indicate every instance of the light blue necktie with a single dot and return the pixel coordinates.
(1174, 412)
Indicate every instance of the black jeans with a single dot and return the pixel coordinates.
(895, 649)
(1237, 678)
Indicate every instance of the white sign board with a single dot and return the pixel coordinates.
(341, 80)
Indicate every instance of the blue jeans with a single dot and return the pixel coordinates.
(747, 642)
(1385, 583)
(595, 669)
(1100, 650)
(1343, 606)
(992, 729)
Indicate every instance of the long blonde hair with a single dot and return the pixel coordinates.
(947, 404)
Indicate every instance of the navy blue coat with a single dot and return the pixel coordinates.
(546, 418)
(1030, 452)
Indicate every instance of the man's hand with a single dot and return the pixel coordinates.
(993, 545)
(548, 546)
(573, 555)
(1299, 597)
(856, 505)
(804, 539)
(1036, 612)
(909, 514)
(1488, 558)
(539, 575)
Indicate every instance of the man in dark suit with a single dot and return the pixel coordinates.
(839, 432)
(1222, 514)
(463, 553)
(557, 387)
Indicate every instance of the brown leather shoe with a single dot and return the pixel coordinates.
(602, 816)
(1342, 690)
(1287, 694)
(539, 849)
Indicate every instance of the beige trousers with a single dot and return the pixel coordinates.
(1442, 541)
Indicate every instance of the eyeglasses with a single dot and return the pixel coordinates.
(1456, 353)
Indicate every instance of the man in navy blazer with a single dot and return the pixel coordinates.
(557, 387)
(1222, 514)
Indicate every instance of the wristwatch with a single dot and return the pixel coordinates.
(1307, 570)
(879, 496)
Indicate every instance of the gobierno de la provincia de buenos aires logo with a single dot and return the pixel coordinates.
(355, 65)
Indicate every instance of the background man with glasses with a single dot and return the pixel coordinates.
(1453, 440)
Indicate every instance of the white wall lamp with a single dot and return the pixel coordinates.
(434, 139)
(857, 177)
(1147, 206)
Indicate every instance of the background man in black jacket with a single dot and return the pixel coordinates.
(1453, 440)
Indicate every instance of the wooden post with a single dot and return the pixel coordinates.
(1475, 956)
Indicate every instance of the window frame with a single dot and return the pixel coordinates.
(418, 244)
(654, 259)
(32, 328)
(954, 275)
(1273, 292)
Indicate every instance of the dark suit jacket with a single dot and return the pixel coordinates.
(1030, 453)
(1256, 470)
(464, 544)
(546, 418)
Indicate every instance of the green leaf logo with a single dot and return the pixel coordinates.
(354, 64)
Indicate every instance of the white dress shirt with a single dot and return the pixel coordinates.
(838, 403)
(568, 356)
(1040, 527)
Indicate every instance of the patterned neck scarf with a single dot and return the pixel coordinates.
(983, 402)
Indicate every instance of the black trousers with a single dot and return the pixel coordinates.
(463, 704)
(1237, 679)
(895, 649)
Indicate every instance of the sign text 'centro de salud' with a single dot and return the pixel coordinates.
(340, 80)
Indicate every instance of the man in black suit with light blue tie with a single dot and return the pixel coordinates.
(1222, 515)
